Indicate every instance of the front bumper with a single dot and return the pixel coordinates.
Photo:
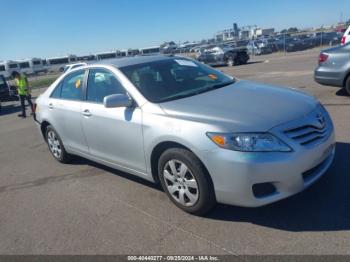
(235, 174)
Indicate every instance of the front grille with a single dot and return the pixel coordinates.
(307, 134)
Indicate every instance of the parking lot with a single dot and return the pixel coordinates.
(85, 208)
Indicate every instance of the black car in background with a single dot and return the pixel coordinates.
(7, 92)
(224, 55)
(329, 38)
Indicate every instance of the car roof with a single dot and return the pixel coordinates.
(129, 61)
(79, 63)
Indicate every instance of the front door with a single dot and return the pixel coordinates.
(113, 134)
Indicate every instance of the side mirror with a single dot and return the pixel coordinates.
(117, 101)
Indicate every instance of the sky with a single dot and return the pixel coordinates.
(46, 28)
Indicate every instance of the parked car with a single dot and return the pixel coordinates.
(258, 48)
(204, 136)
(346, 37)
(334, 67)
(309, 42)
(224, 55)
(328, 38)
(7, 92)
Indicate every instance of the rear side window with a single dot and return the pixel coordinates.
(102, 83)
(71, 87)
(57, 92)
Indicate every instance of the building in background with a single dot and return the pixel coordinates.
(264, 32)
(228, 34)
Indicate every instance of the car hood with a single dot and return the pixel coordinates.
(243, 107)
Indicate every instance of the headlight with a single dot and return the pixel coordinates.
(249, 142)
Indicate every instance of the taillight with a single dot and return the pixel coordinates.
(343, 39)
(323, 58)
(34, 107)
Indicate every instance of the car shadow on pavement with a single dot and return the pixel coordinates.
(325, 206)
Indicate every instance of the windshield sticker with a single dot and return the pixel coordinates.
(78, 83)
(185, 63)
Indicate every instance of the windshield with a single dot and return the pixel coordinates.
(174, 78)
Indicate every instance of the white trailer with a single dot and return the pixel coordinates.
(37, 65)
(58, 63)
(150, 50)
(7, 67)
(24, 67)
(107, 55)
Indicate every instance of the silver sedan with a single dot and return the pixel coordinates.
(334, 67)
(206, 137)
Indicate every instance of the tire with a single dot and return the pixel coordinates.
(347, 85)
(190, 188)
(230, 61)
(55, 145)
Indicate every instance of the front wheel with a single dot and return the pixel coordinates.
(185, 181)
(56, 146)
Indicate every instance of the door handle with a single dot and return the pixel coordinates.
(50, 106)
(86, 113)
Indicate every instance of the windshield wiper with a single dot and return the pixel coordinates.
(213, 87)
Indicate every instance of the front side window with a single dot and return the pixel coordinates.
(2, 68)
(102, 83)
(174, 78)
(72, 86)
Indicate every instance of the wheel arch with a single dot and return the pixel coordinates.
(44, 124)
(347, 75)
(162, 147)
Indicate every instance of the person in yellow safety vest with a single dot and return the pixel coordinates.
(23, 92)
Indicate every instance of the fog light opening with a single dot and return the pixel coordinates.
(264, 190)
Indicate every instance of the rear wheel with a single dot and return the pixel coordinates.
(347, 85)
(185, 181)
(55, 145)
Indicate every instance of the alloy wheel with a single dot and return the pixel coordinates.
(54, 144)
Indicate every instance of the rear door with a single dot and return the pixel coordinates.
(113, 134)
(65, 111)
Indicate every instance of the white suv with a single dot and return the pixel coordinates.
(346, 37)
